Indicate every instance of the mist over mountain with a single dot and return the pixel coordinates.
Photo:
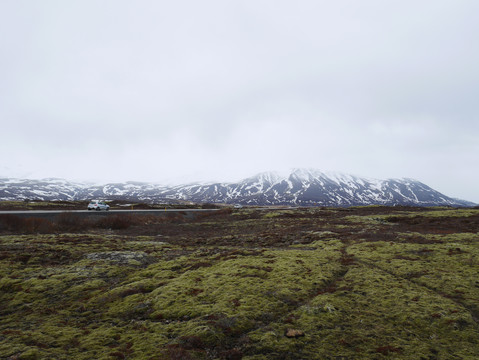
(301, 187)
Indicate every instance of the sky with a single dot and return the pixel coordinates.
(180, 91)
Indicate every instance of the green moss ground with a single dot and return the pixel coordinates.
(357, 284)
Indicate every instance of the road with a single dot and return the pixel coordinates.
(85, 213)
(117, 211)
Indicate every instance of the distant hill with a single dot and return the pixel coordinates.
(302, 187)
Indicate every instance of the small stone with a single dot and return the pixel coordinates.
(294, 333)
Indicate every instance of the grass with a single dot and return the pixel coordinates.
(290, 284)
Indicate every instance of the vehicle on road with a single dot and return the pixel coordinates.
(98, 205)
(238, 206)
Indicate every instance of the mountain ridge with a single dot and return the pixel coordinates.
(301, 187)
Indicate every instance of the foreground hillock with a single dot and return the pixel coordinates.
(359, 283)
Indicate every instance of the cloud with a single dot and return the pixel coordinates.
(187, 90)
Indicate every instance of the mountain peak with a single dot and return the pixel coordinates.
(267, 176)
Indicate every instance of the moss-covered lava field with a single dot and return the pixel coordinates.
(314, 283)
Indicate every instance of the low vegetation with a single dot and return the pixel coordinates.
(317, 283)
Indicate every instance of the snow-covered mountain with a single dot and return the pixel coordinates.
(303, 187)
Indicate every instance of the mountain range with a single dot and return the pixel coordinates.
(301, 187)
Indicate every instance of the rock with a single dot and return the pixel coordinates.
(293, 333)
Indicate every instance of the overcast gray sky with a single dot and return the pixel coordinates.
(176, 91)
